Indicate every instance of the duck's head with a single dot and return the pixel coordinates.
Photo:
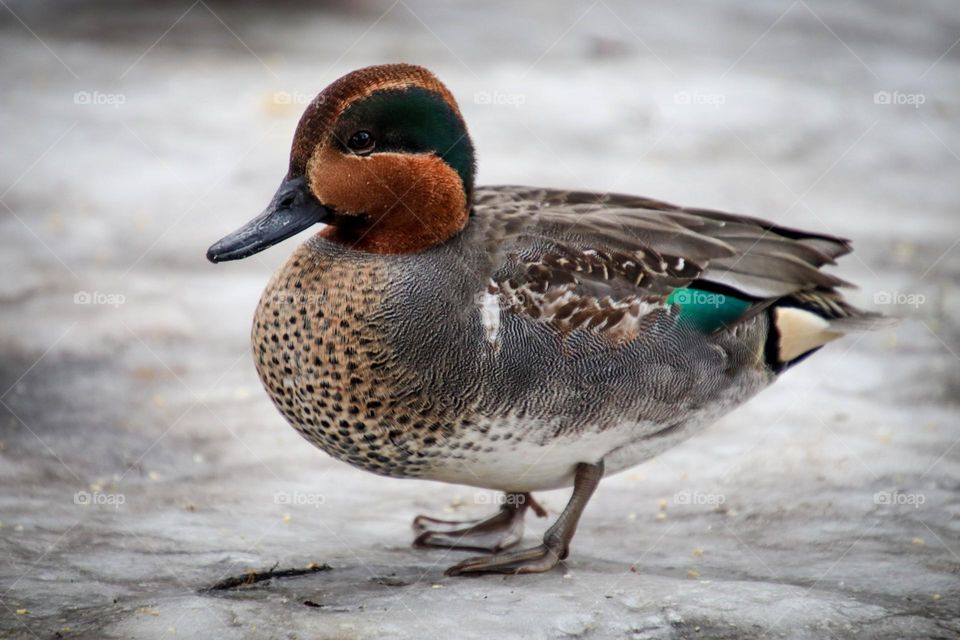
(382, 156)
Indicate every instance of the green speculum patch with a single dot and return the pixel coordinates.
(413, 120)
(707, 311)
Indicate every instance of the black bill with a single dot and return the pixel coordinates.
(292, 210)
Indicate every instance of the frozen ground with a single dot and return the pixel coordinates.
(134, 134)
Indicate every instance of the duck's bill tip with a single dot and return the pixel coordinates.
(218, 253)
(213, 255)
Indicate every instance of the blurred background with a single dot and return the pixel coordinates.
(140, 460)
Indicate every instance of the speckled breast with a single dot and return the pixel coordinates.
(320, 349)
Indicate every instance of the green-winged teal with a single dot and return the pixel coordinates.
(507, 337)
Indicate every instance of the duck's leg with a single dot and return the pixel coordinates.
(502, 530)
(556, 541)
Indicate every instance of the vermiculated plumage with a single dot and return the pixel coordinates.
(392, 362)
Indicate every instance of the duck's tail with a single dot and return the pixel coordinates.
(803, 322)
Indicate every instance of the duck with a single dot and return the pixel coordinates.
(510, 338)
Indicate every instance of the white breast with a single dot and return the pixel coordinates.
(527, 465)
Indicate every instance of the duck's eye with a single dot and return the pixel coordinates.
(361, 141)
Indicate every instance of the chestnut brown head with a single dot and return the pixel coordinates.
(382, 156)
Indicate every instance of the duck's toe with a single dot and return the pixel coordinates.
(533, 560)
(500, 531)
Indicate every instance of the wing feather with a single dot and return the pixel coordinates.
(605, 262)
